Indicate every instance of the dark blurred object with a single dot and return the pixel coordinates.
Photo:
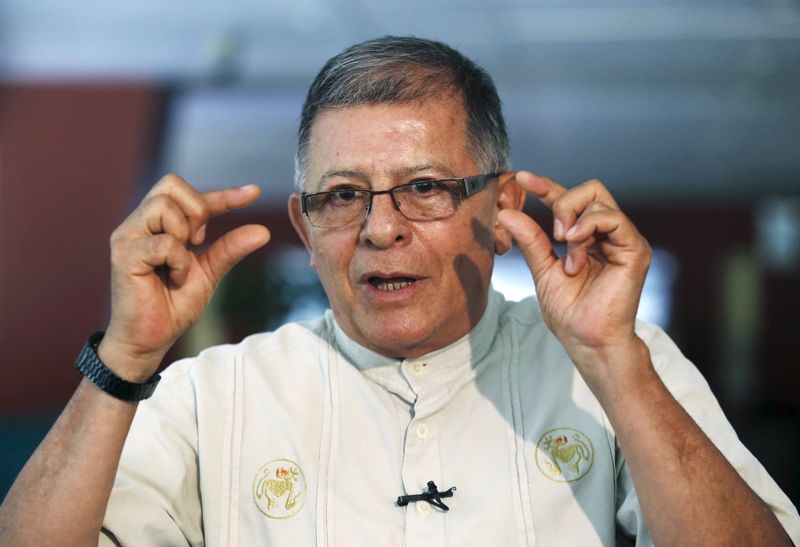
(262, 295)
(778, 234)
(18, 437)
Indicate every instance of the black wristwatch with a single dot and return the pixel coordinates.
(93, 368)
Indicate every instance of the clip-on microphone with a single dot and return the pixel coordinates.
(432, 496)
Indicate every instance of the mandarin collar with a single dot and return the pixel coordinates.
(443, 366)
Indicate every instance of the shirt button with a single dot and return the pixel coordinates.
(422, 431)
(418, 367)
(424, 508)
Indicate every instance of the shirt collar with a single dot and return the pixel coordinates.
(443, 366)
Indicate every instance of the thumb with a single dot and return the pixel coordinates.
(531, 239)
(232, 247)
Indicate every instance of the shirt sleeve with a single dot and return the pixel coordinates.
(155, 499)
(691, 390)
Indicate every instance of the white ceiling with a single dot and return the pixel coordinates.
(661, 99)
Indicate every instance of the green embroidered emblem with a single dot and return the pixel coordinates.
(564, 454)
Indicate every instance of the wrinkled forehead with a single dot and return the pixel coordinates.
(385, 141)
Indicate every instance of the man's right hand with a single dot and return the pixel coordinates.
(159, 286)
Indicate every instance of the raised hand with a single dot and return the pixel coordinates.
(588, 297)
(159, 286)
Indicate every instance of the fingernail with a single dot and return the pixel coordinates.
(200, 234)
(572, 231)
(568, 264)
(558, 229)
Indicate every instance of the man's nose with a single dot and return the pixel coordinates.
(385, 225)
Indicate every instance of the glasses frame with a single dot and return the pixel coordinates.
(468, 186)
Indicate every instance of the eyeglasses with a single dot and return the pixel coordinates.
(419, 201)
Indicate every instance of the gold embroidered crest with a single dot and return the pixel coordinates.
(279, 489)
(564, 454)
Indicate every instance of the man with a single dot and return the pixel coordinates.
(494, 423)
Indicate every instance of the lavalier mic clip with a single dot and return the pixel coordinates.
(432, 496)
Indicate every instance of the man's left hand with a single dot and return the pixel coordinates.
(589, 297)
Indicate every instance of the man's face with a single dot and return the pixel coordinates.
(400, 287)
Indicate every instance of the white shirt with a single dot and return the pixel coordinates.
(304, 437)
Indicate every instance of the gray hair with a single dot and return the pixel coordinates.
(400, 70)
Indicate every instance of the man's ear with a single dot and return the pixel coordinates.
(299, 222)
(509, 196)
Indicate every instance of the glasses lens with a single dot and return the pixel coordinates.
(338, 208)
(428, 199)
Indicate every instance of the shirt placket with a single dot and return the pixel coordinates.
(425, 524)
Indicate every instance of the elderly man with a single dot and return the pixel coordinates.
(422, 409)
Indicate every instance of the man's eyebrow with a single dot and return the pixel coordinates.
(414, 169)
(399, 173)
(343, 173)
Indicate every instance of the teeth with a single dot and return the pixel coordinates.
(392, 286)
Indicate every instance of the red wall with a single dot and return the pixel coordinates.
(70, 156)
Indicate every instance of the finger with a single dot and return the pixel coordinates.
(198, 207)
(542, 187)
(572, 204)
(579, 250)
(162, 215)
(190, 201)
(162, 250)
(532, 241)
(583, 237)
(609, 223)
(222, 201)
(609, 228)
(577, 256)
(232, 247)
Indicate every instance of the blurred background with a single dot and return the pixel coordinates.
(688, 110)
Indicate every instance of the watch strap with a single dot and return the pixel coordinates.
(90, 365)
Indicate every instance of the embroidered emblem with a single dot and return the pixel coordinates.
(279, 489)
(564, 454)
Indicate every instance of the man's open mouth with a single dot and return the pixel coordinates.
(391, 284)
